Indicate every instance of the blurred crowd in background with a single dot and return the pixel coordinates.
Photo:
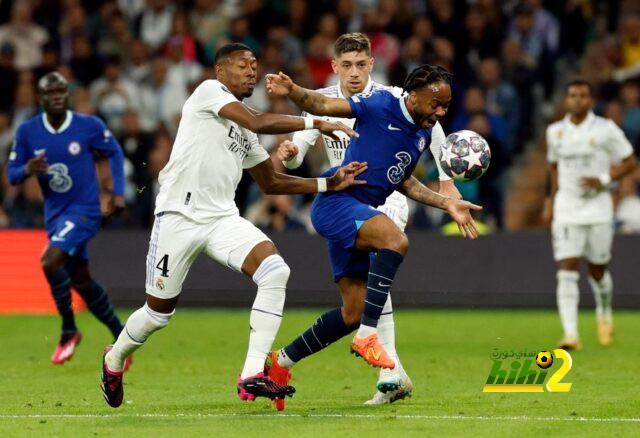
(135, 62)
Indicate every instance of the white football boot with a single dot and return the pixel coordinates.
(392, 385)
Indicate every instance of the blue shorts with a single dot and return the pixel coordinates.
(72, 232)
(337, 217)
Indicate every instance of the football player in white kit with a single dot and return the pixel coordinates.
(195, 213)
(352, 64)
(586, 153)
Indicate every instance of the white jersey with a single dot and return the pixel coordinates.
(584, 150)
(207, 158)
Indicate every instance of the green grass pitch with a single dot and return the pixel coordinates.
(182, 383)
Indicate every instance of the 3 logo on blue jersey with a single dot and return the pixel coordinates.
(395, 174)
(60, 181)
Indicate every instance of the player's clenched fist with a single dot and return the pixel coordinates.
(37, 165)
(287, 150)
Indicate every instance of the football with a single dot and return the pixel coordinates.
(465, 155)
(544, 359)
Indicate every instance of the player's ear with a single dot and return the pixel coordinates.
(371, 64)
(334, 66)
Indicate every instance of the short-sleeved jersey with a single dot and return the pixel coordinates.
(389, 142)
(584, 150)
(335, 148)
(207, 158)
(70, 185)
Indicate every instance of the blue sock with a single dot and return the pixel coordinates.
(98, 302)
(61, 290)
(381, 274)
(327, 329)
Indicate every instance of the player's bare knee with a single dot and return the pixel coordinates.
(399, 243)
(50, 263)
(597, 271)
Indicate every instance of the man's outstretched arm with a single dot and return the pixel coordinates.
(310, 101)
(275, 183)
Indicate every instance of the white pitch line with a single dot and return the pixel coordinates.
(382, 415)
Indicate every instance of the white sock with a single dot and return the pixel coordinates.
(284, 360)
(365, 330)
(266, 313)
(568, 296)
(387, 333)
(603, 293)
(138, 328)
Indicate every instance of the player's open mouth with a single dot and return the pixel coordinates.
(430, 123)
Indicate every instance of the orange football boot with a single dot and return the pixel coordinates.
(371, 351)
(278, 374)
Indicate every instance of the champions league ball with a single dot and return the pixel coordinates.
(465, 155)
(544, 359)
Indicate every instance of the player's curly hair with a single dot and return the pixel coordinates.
(424, 75)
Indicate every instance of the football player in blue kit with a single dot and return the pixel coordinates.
(61, 148)
(394, 131)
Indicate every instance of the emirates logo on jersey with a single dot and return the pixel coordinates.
(74, 148)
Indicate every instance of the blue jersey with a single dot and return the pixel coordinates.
(389, 142)
(70, 185)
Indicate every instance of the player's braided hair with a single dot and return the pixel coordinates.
(424, 75)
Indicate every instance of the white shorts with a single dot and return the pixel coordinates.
(176, 241)
(590, 241)
(397, 209)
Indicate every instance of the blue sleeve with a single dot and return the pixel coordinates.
(106, 145)
(18, 158)
(367, 104)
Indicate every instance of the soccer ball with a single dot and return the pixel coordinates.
(544, 359)
(465, 155)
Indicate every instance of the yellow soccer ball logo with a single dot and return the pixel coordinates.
(544, 359)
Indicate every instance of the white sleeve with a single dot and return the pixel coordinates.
(256, 154)
(552, 153)
(617, 143)
(211, 96)
(437, 138)
(304, 140)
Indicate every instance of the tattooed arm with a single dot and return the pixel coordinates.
(459, 210)
(310, 101)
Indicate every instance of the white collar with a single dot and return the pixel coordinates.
(403, 107)
(586, 122)
(65, 124)
(367, 88)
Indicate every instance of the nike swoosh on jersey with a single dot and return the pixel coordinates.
(392, 128)
(37, 152)
(383, 285)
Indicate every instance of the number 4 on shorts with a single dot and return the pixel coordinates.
(163, 265)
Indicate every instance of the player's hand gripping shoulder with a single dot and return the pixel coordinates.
(345, 176)
(287, 150)
(460, 212)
